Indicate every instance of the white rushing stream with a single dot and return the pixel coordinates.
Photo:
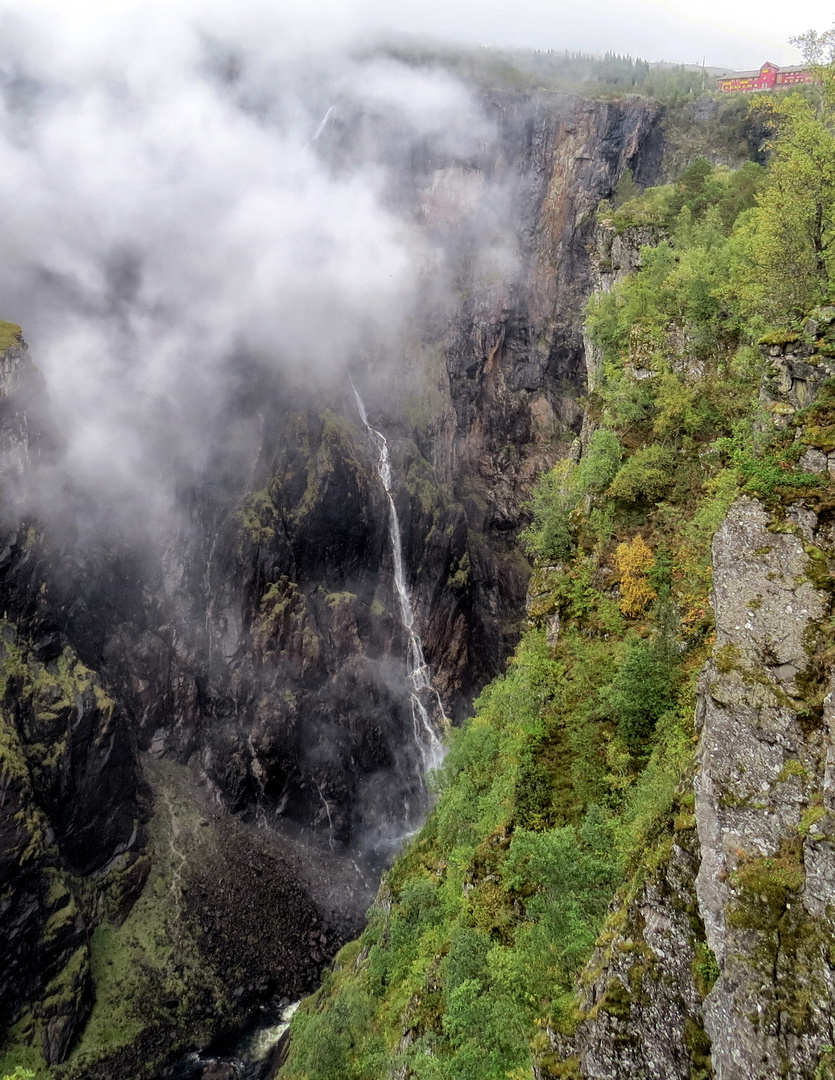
(427, 709)
(249, 1060)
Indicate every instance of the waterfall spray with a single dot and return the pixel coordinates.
(427, 708)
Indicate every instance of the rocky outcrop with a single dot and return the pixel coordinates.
(767, 875)
(70, 796)
(614, 255)
(45, 939)
(719, 960)
(721, 963)
(641, 1006)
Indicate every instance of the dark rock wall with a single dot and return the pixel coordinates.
(265, 636)
(504, 371)
(259, 637)
(71, 796)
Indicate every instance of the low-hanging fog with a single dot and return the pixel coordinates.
(171, 203)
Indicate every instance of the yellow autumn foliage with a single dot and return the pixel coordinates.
(634, 561)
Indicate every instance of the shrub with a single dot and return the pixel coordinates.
(646, 477)
(550, 535)
(642, 691)
(634, 562)
(600, 465)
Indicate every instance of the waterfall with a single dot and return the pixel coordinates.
(323, 125)
(427, 708)
(248, 1059)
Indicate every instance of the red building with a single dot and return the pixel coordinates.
(768, 77)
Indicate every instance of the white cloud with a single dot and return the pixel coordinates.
(160, 219)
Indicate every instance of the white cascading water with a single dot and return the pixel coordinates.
(323, 125)
(424, 698)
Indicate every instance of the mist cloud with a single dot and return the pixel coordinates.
(168, 210)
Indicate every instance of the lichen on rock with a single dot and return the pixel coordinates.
(762, 769)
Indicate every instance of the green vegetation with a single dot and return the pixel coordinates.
(257, 517)
(489, 916)
(147, 970)
(316, 452)
(569, 781)
(10, 336)
(22, 1058)
(566, 789)
(526, 70)
(724, 129)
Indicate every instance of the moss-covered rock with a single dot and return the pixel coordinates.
(11, 336)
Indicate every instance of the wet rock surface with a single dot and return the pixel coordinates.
(641, 1007)
(259, 638)
(761, 799)
(71, 800)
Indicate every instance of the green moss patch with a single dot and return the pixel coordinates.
(764, 886)
(11, 336)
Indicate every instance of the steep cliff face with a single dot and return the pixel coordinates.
(503, 400)
(281, 661)
(766, 876)
(721, 965)
(260, 639)
(645, 731)
(641, 1003)
(70, 793)
(723, 960)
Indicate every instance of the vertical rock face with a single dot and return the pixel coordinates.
(69, 779)
(45, 941)
(723, 963)
(763, 798)
(265, 638)
(505, 394)
(260, 638)
(641, 1008)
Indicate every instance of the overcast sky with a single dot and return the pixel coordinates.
(735, 34)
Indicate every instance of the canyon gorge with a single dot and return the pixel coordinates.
(227, 669)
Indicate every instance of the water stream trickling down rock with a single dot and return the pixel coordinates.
(248, 669)
(427, 708)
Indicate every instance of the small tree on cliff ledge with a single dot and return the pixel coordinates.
(634, 562)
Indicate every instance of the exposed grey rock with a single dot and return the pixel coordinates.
(552, 632)
(814, 461)
(762, 596)
(642, 1005)
(795, 374)
(760, 880)
(762, 767)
